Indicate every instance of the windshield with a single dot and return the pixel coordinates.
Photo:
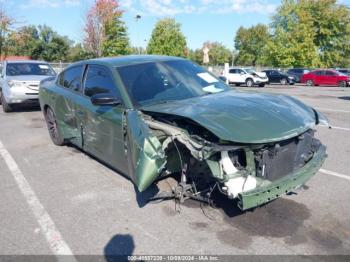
(156, 82)
(17, 69)
(249, 70)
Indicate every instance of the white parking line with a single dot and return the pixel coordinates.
(337, 127)
(51, 233)
(332, 110)
(331, 173)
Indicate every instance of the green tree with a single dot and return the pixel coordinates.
(116, 41)
(105, 32)
(51, 46)
(310, 33)
(6, 24)
(196, 56)
(24, 41)
(41, 43)
(167, 39)
(218, 53)
(77, 53)
(251, 44)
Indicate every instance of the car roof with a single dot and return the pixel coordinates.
(127, 60)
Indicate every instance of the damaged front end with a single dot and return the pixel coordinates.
(161, 144)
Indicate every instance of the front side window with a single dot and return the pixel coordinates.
(71, 78)
(18, 69)
(99, 81)
(163, 81)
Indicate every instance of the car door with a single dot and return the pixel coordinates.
(242, 75)
(233, 76)
(102, 126)
(331, 78)
(69, 85)
(274, 76)
(320, 77)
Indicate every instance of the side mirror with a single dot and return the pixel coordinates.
(105, 100)
(242, 73)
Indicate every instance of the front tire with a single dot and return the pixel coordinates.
(284, 81)
(310, 83)
(249, 82)
(5, 106)
(52, 126)
(342, 84)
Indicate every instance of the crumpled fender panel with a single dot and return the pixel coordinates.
(144, 150)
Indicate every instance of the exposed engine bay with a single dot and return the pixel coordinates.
(207, 163)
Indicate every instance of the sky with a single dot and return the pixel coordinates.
(201, 20)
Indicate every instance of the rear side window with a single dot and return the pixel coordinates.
(71, 78)
(233, 71)
(330, 73)
(99, 81)
(319, 73)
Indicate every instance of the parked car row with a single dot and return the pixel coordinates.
(153, 116)
(249, 77)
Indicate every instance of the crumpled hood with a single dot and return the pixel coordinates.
(244, 117)
(261, 74)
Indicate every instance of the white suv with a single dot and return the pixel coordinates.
(19, 82)
(246, 76)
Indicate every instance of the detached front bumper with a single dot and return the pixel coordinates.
(262, 195)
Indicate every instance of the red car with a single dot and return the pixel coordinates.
(325, 77)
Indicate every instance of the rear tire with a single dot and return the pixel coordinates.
(310, 83)
(53, 128)
(249, 82)
(5, 106)
(342, 84)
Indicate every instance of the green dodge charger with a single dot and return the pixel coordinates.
(149, 117)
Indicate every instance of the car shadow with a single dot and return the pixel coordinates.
(344, 97)
(25, 108)
(143, 198)
(119, 247)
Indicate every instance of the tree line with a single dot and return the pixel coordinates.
(302, 33)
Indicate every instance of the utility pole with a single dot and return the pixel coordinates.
(137, 18)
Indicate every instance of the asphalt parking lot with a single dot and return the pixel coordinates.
(58, 200)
